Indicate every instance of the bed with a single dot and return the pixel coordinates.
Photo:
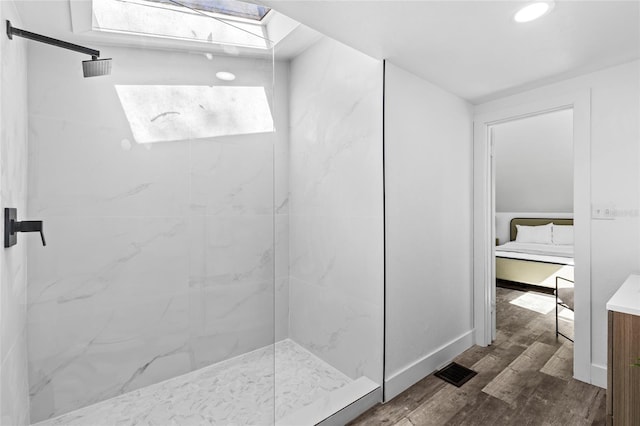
(537, 263)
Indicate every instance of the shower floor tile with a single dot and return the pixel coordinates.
(238, 391)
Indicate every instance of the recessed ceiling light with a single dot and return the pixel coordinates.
(533, 11)
(226, 76)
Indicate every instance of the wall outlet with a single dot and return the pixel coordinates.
(603, 211)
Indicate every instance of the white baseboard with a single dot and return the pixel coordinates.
(599, 375)
(421, 368)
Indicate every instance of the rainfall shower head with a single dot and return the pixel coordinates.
(96, 67)
(92, 68)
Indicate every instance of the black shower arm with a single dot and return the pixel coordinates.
(11, 31)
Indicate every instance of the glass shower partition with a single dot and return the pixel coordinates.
(157, 187)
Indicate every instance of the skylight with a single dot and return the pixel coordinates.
(166, 19)
(235, 8)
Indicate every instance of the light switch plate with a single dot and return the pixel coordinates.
(603, 211)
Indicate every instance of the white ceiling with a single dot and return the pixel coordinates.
(474, 48)
(471, 48)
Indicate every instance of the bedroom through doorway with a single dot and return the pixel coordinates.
(533, 199)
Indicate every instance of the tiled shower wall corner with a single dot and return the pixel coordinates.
(336, 255)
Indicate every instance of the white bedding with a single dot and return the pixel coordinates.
(551, 253)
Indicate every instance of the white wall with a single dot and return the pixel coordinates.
(615, 180)
(160, 257)
(336, 253)
(14, 387)
(428, 198)
(534, 163)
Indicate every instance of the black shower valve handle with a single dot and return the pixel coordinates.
(12, 226)
(30, 226)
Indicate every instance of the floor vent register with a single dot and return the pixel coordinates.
(455, 374)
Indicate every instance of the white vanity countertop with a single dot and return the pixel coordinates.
(627, 298)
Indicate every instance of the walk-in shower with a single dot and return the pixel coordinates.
(211, 257)
(156, 187)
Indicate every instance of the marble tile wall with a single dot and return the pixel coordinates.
(14, 395)
(336, 241)
(160, 256)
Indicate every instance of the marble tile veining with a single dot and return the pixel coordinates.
(335, 207)
(237, 391)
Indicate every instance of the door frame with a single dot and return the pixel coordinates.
(484, 222)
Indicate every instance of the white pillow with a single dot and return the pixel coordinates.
(562, 234)
(541, 234)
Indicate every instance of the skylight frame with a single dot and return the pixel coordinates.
(192, 6)
(123, 17)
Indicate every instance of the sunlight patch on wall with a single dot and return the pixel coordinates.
(173, 113)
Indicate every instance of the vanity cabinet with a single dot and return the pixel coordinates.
(623, 381)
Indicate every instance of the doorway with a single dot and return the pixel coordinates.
(484, 273)
(532, 169)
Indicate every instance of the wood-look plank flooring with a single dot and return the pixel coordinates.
(524, 378)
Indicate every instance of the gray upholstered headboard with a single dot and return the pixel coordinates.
(534, 221)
